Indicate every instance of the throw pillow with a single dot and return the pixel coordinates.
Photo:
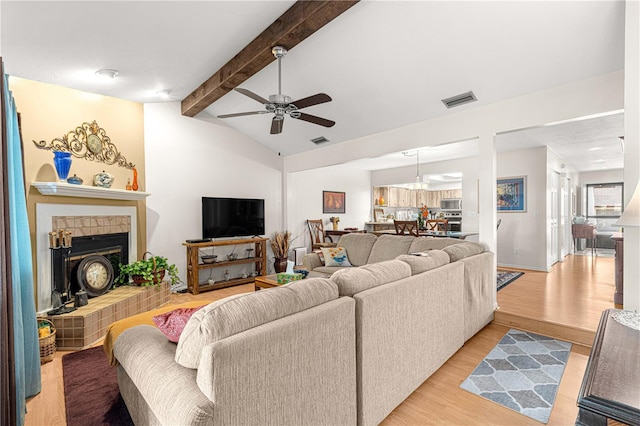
(173, 322)
(335, 256)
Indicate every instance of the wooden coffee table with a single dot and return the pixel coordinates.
(266, 281)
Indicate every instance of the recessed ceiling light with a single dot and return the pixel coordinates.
(595, 149)
(164, 93)
(598, 162)
(107, 73)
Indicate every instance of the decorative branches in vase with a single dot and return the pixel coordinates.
(280, 242)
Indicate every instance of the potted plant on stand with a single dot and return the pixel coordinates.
(280, 246)
(148, 271)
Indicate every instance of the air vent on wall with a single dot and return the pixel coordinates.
(458, 100)
(320, 140)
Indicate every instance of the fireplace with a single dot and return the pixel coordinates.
(85, 222)
(113, 226)
(66, 261)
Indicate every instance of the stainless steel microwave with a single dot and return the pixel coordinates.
(451, 204)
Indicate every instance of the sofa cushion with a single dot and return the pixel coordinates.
(421, 244)
(358, 246)
(326, 271)
(335, 256)
(425, 261)
(354, 280)
(388, 247)
(241, 312)
(462, 250)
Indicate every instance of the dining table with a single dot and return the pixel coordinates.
(424, 233)
(330, 233)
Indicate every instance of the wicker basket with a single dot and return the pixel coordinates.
(47, 344)
(158, 274)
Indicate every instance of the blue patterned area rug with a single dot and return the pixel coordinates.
(504, 278)
(522, 372)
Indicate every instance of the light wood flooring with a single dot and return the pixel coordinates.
(566, 301)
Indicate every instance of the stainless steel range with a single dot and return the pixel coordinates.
(454, 217)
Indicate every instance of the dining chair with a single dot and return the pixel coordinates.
(406, 227)
(316, 231)
(437, 224)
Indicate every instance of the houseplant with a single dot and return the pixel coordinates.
(280, 242)
(148, 271)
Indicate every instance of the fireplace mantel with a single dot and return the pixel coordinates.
(86, 191)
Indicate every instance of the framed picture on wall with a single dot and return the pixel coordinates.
(511, 194)
(333, 202)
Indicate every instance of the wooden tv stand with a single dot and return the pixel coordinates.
(194, 266)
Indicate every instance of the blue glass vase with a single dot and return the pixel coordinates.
(62, 161)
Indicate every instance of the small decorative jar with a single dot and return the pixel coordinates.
(103, 179)
(226, 275)
(75, 179)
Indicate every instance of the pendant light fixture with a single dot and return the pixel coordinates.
(418, 184)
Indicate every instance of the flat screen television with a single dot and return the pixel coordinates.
(232, 217)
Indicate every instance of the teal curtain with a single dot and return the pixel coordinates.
(25, 327)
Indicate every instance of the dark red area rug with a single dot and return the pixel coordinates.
(91, 393)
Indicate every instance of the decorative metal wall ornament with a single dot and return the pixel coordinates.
(88, 141)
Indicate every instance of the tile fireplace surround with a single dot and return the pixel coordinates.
(87, 324)
(82, 220)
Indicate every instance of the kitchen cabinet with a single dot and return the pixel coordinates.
(381, 193)
(434, 197)
(396, 196)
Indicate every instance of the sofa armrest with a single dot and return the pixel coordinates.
(311, 261)
(148, 359)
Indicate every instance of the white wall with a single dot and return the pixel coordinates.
(522, 237)
(602, 176)
(305, 199)
(188, 158)
(632, 149)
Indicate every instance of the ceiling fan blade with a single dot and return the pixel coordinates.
(320, 98)
(240, 114)
(315, 120)
(252, 95)
(276, 125)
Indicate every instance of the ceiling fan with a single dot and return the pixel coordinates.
(282, 104)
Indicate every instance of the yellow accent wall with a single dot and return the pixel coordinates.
(48, 112)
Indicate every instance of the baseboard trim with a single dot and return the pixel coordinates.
(522, 267)
(567, 333)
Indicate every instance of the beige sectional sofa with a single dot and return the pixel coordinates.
(444, 297)
(343, 350)
(283, 356)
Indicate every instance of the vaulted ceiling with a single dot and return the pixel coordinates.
(386, 64)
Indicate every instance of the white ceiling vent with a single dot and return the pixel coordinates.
(320, 140)
(458, 100)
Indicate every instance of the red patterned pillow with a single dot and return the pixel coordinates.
(173, 322)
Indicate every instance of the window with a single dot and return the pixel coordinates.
(605, 200)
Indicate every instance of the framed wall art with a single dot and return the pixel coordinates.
(511, 194)
(333, 202)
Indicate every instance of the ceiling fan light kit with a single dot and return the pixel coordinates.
(281, 104)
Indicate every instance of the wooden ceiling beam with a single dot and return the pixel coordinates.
(296, 24)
